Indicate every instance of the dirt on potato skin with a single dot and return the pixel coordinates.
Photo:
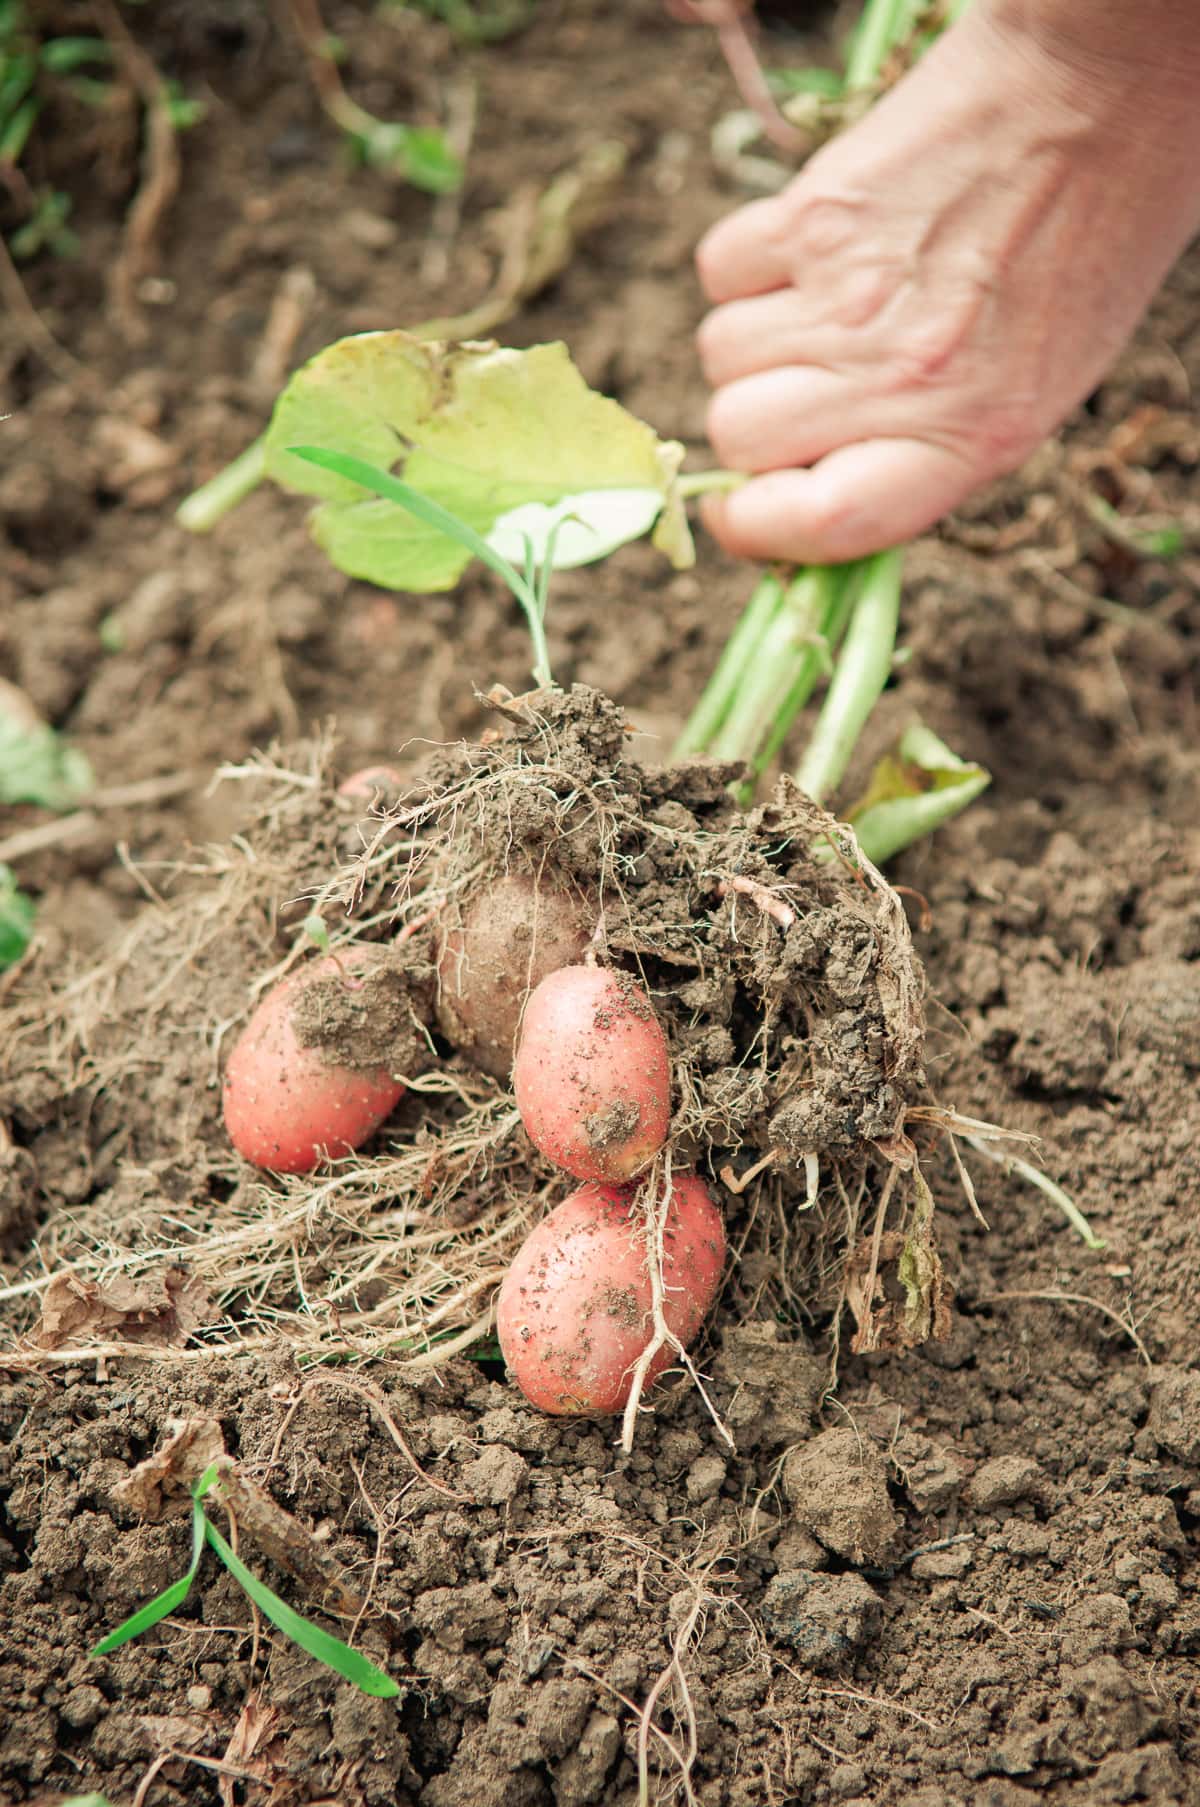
(1051, 1656)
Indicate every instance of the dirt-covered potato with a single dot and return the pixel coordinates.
(592, 1075)
(288, 1104)
(575, 1309)
(509, 937)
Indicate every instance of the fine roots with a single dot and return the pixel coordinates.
(777, 958)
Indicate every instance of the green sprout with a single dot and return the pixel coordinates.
(350, 1664)
(16, 919)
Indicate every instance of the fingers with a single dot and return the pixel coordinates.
(744, 254)
(763, 331)
(783, 417)
(861, 498)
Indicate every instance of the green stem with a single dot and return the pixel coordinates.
(721, 691)
(201, 511)
(789, 658)
(837, 602)
(862, 671)
(881, 26)
(704, 483)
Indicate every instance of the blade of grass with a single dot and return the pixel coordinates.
(391, 489)
(164, 1603)
(352, 1665)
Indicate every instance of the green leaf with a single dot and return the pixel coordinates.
(163, 1603)
(16, 919)
(914, 789)
(480, 432)
(420, 153)
(351, 1664)
(63, 55)
(39, 766)
(16, 130)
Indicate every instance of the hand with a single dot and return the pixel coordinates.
(935, 292)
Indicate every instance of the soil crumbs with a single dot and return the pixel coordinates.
(970, 1572)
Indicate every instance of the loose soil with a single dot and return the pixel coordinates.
(968, 1570)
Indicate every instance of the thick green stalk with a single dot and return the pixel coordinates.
(787, 662)
(862, 671)
(839, 599)
(721, 691)
(884, 23)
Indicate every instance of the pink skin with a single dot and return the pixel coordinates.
(947, 279)
(286, 1108)
(574, 1311)
(370, 782)
(592, 1077)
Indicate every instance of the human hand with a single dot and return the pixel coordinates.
(936, 290)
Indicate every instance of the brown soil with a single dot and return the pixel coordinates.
(969, 1573)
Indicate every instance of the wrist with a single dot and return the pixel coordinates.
(1105, 53)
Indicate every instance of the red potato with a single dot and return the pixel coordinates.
(592, 1075)
(371, 781)
(574, 1311)
(493, 952)
(287, 1106)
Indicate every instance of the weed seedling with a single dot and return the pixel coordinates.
(352, 1665)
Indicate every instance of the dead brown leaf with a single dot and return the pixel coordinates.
(163, 1309)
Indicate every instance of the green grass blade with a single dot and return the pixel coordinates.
(351, 1664)
(391, 489)
(163, 1603)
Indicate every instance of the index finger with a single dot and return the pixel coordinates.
(744, 254)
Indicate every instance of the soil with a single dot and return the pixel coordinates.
(965, 1571)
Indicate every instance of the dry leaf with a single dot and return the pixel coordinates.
(163, 1309)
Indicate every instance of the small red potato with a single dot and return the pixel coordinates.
(592, 1075)
(287, 1106)
(574, 1311)
(371, 781)
(501, 945)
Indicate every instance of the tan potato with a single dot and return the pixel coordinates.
(503, 944)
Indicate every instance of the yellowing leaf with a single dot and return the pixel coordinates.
(484, 432)
(912, 791)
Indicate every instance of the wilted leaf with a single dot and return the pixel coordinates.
(914, 789)
(155, 1485)
(485, 433)
(162, 1310)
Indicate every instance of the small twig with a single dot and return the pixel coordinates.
(161, 171)
(26, 320)
(1060, 1298)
